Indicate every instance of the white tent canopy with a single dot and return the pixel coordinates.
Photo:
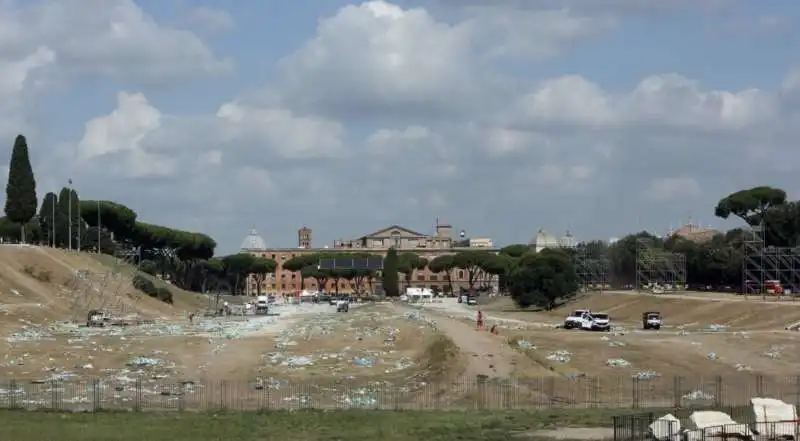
(419, 295)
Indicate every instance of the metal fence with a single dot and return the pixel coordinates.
(269, 393)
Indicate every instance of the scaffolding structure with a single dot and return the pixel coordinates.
(762, 263)
(593, 272)
(659, 270)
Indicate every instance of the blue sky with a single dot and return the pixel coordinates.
(501, 117)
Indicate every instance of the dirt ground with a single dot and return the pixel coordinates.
(723, 349)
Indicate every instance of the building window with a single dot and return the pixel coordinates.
(434, 277)
(421, 277)
(273, 286)
(396, 239)
(283, 286)
(294, 276)
(460, 274)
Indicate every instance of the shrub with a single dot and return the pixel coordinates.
(147, 286)
(164, 294)
(144, 285)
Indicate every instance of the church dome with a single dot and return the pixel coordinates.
(544, 240)
(568, 241)
(253, 241)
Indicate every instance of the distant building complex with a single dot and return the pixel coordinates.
(403, 239)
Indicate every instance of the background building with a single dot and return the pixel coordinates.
(378, 242)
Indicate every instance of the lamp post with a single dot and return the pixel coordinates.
(69, 216)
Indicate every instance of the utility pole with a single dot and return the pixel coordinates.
(98, 226)
(69, 216)
(80, 221)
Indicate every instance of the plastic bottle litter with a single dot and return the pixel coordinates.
(646, 375)
(617, 362)
(524, 344)
(364, 362)
(560, 356)
(698, 395)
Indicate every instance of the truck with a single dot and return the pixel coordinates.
(262, 305)
(651, 320)
(573, 321)
(97, 318)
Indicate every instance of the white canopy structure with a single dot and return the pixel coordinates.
(419, 295)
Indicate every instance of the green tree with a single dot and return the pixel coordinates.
(47, 214)
(472, 262)
(444, 264)
(21, 197)
(111, 216)
(750, 205)
(390, 274)
(542, 279)
(259, 268)
(409, 262)
(296, 264)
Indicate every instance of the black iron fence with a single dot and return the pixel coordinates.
(272, 393)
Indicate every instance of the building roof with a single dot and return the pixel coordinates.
(696, 233)
(395, 227)
(253, 241)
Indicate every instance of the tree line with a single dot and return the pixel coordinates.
(186, 259)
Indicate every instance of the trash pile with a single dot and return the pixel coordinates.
(560, 356)
(368, 344)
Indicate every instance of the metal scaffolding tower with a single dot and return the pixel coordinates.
(761, 263)
(659, 270)
(593, 272)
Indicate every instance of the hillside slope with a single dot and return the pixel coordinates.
(39, 285)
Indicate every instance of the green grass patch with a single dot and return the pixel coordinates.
(350, 425)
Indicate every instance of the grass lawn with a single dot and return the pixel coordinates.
(350, 425)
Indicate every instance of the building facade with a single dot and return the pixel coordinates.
(403, 239)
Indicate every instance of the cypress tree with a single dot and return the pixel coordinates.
(46, 216)
(391, 278)
(21, 187)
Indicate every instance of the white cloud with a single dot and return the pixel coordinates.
(394, 115)
(211, 19)
(660, 100)
(116, 38)
(673, 189)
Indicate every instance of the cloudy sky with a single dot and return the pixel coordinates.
(498, 116)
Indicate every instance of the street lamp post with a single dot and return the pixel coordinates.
(69, 216)
(80, 221)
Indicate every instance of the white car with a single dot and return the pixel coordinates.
(592, 321)
(574, 320)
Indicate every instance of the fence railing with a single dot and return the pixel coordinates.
(269, 393)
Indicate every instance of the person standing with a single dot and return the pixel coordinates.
(479, 321)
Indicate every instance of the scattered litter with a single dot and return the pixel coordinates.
(743, 367)
(616, 344)
(646, 375)
(617, 362)
(560, 356)
(712, 356)
(774, 352)
(698, 395)
(524, 344)
(716, 327)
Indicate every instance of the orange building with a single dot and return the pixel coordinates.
(402, 239)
